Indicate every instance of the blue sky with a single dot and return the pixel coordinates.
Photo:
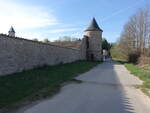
(56, 18)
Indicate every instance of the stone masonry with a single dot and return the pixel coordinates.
(18, 54)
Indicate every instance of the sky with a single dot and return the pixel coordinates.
(52, 19)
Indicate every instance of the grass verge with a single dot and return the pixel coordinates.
(122, 61)
(38, 83)
(143, 74)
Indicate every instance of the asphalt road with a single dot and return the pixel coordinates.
(107, 88)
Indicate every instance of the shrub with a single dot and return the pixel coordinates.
(133, 57)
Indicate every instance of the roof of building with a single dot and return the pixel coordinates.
(11, 29)
(93, 26)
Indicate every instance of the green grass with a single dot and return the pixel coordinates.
(122, 61)
(143, 73)
(38, 83)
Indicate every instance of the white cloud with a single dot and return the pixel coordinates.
(62, 30)
(28, 19)
(23, 17)
(31, 35)
(47, 34)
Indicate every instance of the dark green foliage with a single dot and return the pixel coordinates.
(38, 83)
(133, 57)
(105, 44)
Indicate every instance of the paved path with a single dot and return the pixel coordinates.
(107, 88)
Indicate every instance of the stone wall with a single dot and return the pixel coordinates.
(17, 54)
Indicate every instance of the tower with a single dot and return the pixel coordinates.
(92, 42)
(11, 32)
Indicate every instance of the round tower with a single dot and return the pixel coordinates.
(93, 36)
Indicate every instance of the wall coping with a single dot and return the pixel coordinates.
(20, 38)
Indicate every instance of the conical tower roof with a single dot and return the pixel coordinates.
(93, 26)
(11, 29)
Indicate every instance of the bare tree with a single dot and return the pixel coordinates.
(46, 40)
(66, 39)
(35, 39)
(135, 37)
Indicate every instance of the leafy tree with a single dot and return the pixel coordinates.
(105, 44)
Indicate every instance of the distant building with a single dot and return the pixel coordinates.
(11, 32)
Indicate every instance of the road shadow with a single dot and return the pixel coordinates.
(112, 94)
(124, 103)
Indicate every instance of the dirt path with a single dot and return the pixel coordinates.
(108, 88)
